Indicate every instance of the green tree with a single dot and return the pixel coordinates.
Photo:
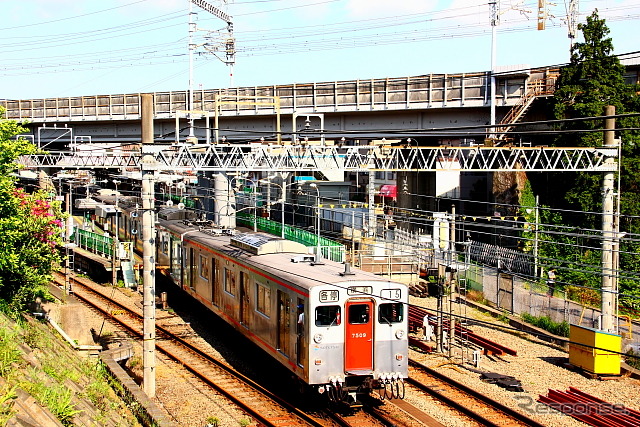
(30, 227)
(593, 79)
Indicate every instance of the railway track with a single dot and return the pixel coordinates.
(471, 403)
(264, 406)
(270, 410)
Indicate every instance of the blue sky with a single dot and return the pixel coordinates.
(58, 48)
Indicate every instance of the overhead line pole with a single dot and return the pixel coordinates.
(148, 250)
(609, 288)
(495, 6)
(192, 48)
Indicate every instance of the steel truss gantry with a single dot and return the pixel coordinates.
(261, 157)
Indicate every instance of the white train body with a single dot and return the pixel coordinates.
(352, 337)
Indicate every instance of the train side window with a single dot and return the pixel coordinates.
(391, 313)
(263, 299)
(204, 267)
(163, 245)
(229, 282)
(328, 315)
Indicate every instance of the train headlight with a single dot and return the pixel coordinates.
(400, 334)
(317, 338)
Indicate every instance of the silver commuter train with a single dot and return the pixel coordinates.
(341, 333)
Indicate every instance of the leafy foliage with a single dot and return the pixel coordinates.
(30, 226)
(594, 79)
(568, 249)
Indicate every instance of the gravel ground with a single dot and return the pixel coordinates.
(187, 400)
(538, 366)
(190, 403)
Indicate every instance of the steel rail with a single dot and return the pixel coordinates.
(168, 334)
(460, 405)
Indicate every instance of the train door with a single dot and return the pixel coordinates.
(244, 299)
(191, 267)
(284, 322)
(358, 341)
(176, 261)
(301, 335)
(215, 289)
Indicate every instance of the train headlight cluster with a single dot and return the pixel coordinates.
(400, 334)
(317, 338)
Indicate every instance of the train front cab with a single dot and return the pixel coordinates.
(359, 345)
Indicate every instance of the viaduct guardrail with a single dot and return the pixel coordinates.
(400, 93)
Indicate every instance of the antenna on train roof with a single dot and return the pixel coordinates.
(347, 270)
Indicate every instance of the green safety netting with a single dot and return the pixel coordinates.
(99, 243)
(330, 249)
(94, 242)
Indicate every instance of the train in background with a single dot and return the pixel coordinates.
(342, 332)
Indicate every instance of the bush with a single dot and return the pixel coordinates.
(477, 296)
(545, 322)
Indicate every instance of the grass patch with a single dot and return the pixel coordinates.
(47, 379)
(57, 398)
(477, 296)
(10, 354)
(633, 359)
(6, 403)
(503, 318)
(545, 322)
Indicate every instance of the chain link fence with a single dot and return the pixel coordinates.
(518, 295)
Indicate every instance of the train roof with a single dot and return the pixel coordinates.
(263, 243)
(281, 258)
(176, 213)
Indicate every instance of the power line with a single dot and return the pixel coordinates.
(37, 24)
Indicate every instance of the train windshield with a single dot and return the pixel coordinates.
(328, 315)
(359, 314)
(391, 313)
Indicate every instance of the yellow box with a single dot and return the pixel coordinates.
(598, 360)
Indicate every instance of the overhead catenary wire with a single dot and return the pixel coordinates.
(393, 22)
(493, 228)
(545, 260)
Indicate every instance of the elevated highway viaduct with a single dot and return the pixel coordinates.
(356, 109)
(361, 111)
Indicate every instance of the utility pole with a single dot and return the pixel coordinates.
(572, 21)
(495, 19)
(192, 48)
(148, 250)
(535, 241)
(371, 189)
(116, 244)
(67, 238)
(609, 288)
(225, 46)
(452, 281)
(542, 14)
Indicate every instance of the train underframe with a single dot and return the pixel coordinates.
(354, 389)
